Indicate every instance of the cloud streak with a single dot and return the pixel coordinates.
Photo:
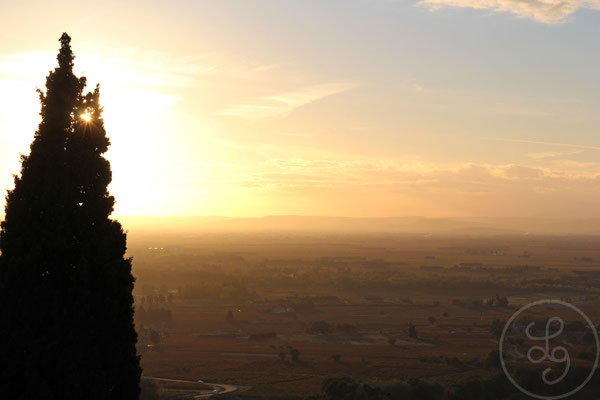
(280, 105)
(380, 187)
(576, 146)
(544, 11)
(288, 173)
(552, 154)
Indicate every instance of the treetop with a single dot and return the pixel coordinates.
(65, 56)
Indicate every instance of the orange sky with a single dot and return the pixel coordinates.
(355, 108)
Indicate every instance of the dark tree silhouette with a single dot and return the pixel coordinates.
(295, 354)
(66, 307)
(412, 331)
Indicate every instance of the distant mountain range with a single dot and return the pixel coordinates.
(417, 225)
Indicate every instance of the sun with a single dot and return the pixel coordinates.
(86, 117)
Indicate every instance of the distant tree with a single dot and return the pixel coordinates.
(412, 331)
(154, 316)
(493, 359)
(496, 328)
(501, 301)
(425, 391)
(337, 357)
(346, 328)
(586, 355)
(66, 304)
(295, 354)
(339, 388)
(588, 338)
(392, 341)
(348, 389)
(229, 317)
(149, 391)
(320, 327)
(163, 289)
(154, 337)
(282, 356)
(431, 320)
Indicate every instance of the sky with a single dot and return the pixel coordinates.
(363, 108)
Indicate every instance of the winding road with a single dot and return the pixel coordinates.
(202, 393)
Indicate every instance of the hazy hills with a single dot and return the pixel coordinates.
(417, 225)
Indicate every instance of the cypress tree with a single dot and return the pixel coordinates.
(66, 304)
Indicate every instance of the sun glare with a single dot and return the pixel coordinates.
(86, 117)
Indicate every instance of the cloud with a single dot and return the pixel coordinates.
(282, 104)
(544, 11)
(573, 145)
(521, 172)
(289, 173)
(402, 188)
(552, 154)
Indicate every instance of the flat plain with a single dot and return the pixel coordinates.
(275, 313)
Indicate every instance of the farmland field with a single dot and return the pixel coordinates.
(276, 313)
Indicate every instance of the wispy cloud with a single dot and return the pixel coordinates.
(576, 146)
(282, 104)
(545, 11)
(289, 173)
(409, 185)
(552, 154)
